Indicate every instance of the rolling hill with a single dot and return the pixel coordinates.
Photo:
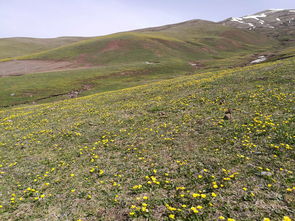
(138, 57)
(127, 59)
(192, 40)
(12, 47)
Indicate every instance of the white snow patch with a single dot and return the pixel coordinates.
(236, 19)
(278, 19)
(251, 16)
(261, 22)
(258, 60)
(251, 24)
(255, 16)
(292, 11)
(275, 10)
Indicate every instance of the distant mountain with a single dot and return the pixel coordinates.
(265, 19)
(278, 23)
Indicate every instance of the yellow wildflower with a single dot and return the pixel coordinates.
(196, 195)
(203, 196)
(286, 218)
(172, 216)
(194, 209)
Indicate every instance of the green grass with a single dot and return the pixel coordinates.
(188, 40)
(157, 151)
(283, 54)
(12, 47)
(44, 87)
(172, 48)
(52, 86)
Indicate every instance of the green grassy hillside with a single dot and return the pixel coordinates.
(133, 58)
(44, 87)
(189, 41)
(12, 47)
(210, 146)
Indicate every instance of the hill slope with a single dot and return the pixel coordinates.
(12, 47)
(204, 147)
(277, 23)
(190, 40)
(127, 59)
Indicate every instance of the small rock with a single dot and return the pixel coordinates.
(266, 173)
(228, 115)
(258, 153)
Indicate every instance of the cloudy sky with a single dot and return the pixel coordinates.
(53, 18)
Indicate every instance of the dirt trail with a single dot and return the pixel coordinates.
(20, 67)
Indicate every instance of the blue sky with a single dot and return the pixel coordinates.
(53, 18)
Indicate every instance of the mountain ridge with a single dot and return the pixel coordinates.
(275, 23)
(265, 22)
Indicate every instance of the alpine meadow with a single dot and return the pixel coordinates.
(189, 121)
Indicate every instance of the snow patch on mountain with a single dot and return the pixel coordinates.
(275, 10)
(263, 15)
(236, 19)
(270, 19)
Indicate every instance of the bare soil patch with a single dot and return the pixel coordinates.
(114, 45)
(20, 67)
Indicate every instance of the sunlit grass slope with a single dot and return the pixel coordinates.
(133, 58)
(12, 47)
(161, 151)
(43, 87)
(192, 40)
